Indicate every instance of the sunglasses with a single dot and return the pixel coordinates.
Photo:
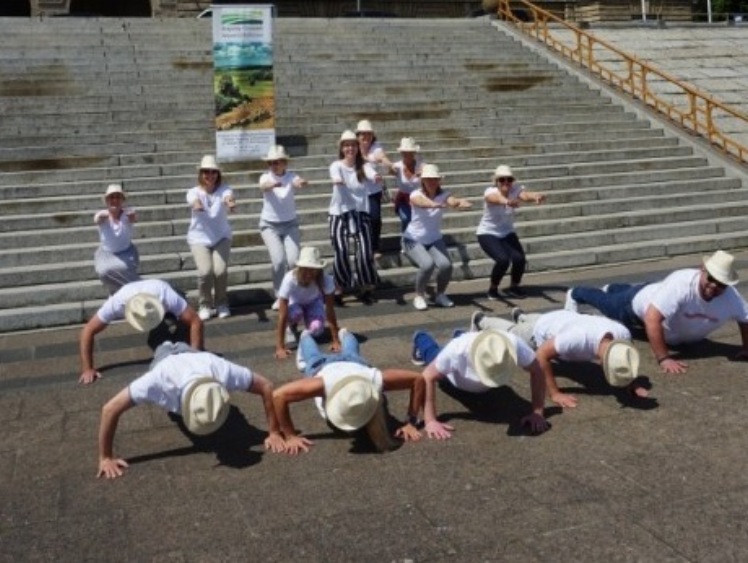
(715, 282)
(505, 180)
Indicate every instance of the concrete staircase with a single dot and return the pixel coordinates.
(86, 102)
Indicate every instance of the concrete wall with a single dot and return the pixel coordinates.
(626, 10)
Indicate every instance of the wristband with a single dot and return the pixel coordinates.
(414, 420)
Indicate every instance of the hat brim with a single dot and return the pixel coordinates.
(314, 266)
(199, 430)
(486, 378)
(334, 415)
(615, 380)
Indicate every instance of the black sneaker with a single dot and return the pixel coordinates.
(493, 294)
(516, 292)
(516, 314)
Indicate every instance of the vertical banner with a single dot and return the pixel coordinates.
(243, 81)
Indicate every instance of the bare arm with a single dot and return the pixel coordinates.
(109, 466)
(92, 328)
(536, 419)
(190, 318)
(264, 388)
(281, 352)
(434, 428)
(292, 392)
(458, 202)
(653, 320)
(544, 355)
(332, 322)
(397, 379)
(533, 197)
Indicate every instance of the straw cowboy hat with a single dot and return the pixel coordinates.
(502, 171)
(720, 266)
(276, 152)
(620, 363)
(430, 171)
(208, 162)
(364, 126)
(352, 402)
(309, 257)
(114, 189)
(205, 405)
(494, 357)
(408, 144)
(144, 311)
(347, 135)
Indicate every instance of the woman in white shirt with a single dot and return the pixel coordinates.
(422, 240)
(496, 234)
(116, 260)
(209, 237)
(373, 153)
(279, 224)
(349, 217)
(407, 173)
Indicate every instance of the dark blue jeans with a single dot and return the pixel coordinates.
(614, 303)
(504, 251)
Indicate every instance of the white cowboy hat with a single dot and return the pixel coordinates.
(430, 171)
(144, 311)
(309, 257)
(114, 189)
(620, 363)
(208, 162)
(205, 405)
(502, 171)
(276, 152)
(720, 266)
(347, 135)
(408, 144)
(352, 402)
(364, 126)
(494, 357)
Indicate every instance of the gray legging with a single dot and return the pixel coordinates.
(282, 241)
(427, 258)
(523, 329)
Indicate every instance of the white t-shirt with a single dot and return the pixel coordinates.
(115, 236)
(353, 195)
(211, 225)
(292, 290)
(278, 204)
(376, 151)
(425, 225)
(163, 385)
(498, 220)
(455, 361)
(688, 318)
(576, 337)
(114, 308)
(333, 372)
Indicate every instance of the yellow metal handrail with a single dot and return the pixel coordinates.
(698, 112)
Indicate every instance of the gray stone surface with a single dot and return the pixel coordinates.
(661, 480)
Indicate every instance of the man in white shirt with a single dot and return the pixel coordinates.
(685, 307)
(190, 383)
(143, 303)
(574, 337)
(476, 362)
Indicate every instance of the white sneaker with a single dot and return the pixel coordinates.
(341, 333)
(223, 312)
(300, 363)
(571, 304)
(276, 305)
(204, 313)
(290, 338)
(420, 303)
(475, 321)
(443, 301)
(605, 287)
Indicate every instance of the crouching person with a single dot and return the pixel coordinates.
(348, 394)
(190, 383)
(476, 362)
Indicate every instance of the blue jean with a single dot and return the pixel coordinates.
(615, 303)
(316, 360)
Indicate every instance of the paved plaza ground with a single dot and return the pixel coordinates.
(659, 480)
